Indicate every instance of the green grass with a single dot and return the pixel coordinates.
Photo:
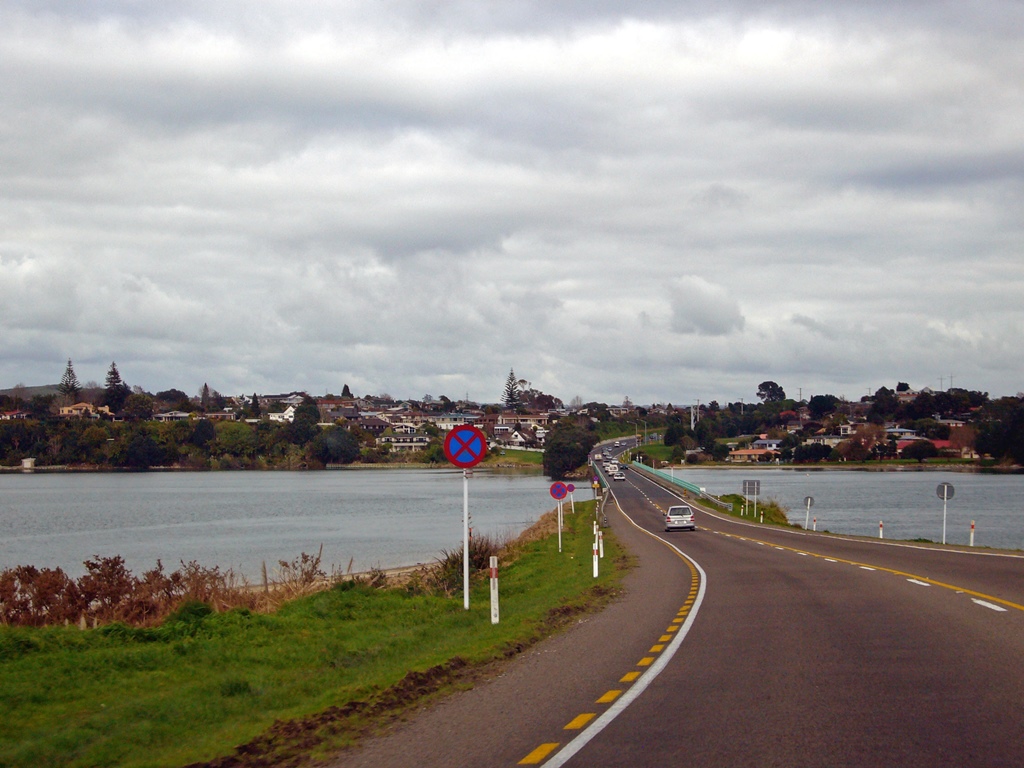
(203, 682)
(507, 455)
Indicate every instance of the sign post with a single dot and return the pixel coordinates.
(559, 491)
(465, 447)
(945, 492)
(809, 501)
(753, 488)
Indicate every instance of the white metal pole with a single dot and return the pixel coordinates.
(572, 501)
(943, 518)
(807, 517)
(494, 589)
(815, 524)
(595, 557)
(880, 529)
(559, 526)
(465, 539)
(972, 533)
(600, 542)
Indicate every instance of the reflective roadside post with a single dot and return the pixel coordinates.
(945, 492)
(809, 501)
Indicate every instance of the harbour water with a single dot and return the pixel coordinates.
(390, 518)
(906, 502)
(238, 520)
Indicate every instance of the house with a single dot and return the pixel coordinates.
(767, 443)
(13, 415)
(751, 455)
(222, 416)
(287, 416)
(84, 411)
(373, 424)
(171, 416)
(415, 441)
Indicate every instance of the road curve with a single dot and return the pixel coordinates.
(807, 650)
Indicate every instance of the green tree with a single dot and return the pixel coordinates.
(920, 450)
(511, 396)
(234, 438)
(254, 406)
(138, 407)
(304, 424)
(116, 391)
(143, 452)
(346, 392)
(69, 388)
(770, 392)
(821, 406)
(566, 449)
(335, 445)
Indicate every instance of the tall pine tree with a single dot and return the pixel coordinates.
(511, 397)
(115, 391)
(69, 387)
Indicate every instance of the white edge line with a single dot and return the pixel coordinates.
(987, 604)
(598, 725)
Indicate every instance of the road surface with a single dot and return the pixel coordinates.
(742, 645)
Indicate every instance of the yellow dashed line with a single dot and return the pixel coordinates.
(629, 677)
(672, 628)
(579, 721)
(657, 648)
(645, 662)
(539, 754)
(664, 638)
(609, 697)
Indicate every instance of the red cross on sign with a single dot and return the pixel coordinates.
(465, 446)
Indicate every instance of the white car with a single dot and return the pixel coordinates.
(619, 476)
(680, 517)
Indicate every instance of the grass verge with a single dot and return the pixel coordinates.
(288, 687)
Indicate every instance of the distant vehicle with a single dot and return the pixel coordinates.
(612, 467)
(598, 456)
(680, 518)
(619, 476)
(617, 443)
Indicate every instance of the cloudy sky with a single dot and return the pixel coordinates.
(668, 203)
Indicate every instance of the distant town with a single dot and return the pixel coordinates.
(119, 426)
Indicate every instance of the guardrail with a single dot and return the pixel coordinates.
(670, 480)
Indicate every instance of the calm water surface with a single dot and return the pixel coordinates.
(376, 518)
(853, 502)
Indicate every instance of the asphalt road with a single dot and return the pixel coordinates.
(752, 645)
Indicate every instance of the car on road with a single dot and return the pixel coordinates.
(680, 518)
(619, 476)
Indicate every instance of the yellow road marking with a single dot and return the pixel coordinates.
(539, 754)
(609, 697)
(664, 638)
(629, 677)
(657, 648)
(579, 721)
(645, 662)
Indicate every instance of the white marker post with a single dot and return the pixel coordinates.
(494, 589)
(880, 530)
(972, 533)
(815, 524)
(600, 542)
(595, 557)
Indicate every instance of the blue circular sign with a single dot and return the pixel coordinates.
(465, 446)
